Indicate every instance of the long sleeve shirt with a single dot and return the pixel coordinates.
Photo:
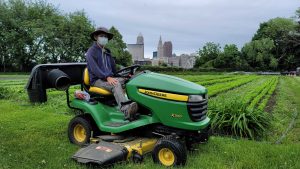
(100, 63)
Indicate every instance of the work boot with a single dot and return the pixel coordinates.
(130, 110)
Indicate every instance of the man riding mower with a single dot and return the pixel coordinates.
(172, 117)
(160, 114)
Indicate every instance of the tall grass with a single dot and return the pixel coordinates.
(232, 117)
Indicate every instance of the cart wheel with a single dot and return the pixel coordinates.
(169, 151)
(79, 131)
(137, 158)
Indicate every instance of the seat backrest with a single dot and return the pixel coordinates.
(86, 77)
(92, 89)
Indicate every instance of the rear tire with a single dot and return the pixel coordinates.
(79, 131)
(169, 151)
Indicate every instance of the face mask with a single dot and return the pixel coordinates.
(102, 41)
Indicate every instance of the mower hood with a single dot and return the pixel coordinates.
(166, 83)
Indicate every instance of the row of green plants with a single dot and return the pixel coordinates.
(256, 90)
(220, 80)
(265, 100)
(232, 114)
(214, 90)
(232, 117)
(263, 93)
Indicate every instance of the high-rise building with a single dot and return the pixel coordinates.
(160, 49)
(137, 50)
(154, 54)
(140, 39)
(167, 49)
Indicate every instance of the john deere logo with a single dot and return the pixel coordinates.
(176, 115)
(164, 95)
(153, 93)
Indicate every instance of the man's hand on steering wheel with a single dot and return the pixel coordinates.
(127, 72)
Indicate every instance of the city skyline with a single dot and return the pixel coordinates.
(188, 24)
(164, 48)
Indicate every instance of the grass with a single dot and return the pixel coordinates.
(35, 136)
(287, 103)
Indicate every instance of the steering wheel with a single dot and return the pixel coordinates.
(127, 71)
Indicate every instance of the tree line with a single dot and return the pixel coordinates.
(275, 47)
(37, 32)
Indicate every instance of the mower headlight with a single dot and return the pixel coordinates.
(196, 98)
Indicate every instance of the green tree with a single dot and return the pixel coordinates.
(207, 54)
(291, 58)
(296, 40)
(259, 54)
(229, 58)
(17, 37)
(4, 37)
(37, 32)
(277, 29)
(118, 48)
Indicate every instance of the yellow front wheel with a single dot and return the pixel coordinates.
(169, 151)
(166, 156)
(79, 131)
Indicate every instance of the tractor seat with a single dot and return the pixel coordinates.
(93, 89)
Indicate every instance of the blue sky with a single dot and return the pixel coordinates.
(189, 24)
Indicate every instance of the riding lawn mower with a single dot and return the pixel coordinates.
(171, 117)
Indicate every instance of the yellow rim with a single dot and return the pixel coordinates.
(166, 157)
(79, 133)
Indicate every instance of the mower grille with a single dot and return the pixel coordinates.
(197, 110)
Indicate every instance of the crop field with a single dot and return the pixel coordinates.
(255, 122)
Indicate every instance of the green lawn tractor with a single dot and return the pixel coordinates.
(171, 118)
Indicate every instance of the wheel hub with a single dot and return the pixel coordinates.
(79, 133)
(166, 157)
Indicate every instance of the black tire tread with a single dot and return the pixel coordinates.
(85, 123)
(177, 147)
